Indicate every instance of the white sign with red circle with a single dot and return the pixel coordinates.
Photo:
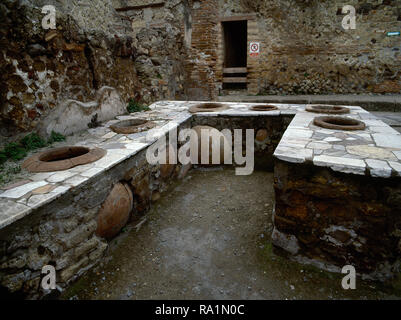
(254, 49)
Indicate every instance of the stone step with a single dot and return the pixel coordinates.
(234, 80)
(235, 70)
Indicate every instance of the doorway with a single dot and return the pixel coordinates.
(235, 54)
(235, 42)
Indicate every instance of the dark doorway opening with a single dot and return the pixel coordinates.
(235, 43)
(235, 54)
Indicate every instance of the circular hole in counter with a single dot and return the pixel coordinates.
(263, 107)
(208, 107)
(63, 158)
(132, 126)
(65, 153)
(339, 123)
(330, 109)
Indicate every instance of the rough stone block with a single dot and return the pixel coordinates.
(73, 270)
(86, 247)
(98, 253)
(78, 235)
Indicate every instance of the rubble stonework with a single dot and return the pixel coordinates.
(337, 192)
(305, 50)
(64, 218)
(93, 63)
(268, 132)
(335, 219)
(154, 50)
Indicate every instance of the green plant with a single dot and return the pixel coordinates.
(14, 151)
(32, 141)
(14, 170)
(3, 156)
(55, 137)
(134, 106)
(18, 150)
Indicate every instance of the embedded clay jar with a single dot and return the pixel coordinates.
(339, 123)
(115, 211)
(264, 107)
(330, 109)
(132, 126)
(208, 107)
(167, 169)
(62, 158)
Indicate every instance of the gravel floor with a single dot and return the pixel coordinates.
(208, 237)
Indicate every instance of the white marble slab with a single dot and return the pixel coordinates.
(20, 191)
(377, 148)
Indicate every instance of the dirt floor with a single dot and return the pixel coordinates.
(208, 237)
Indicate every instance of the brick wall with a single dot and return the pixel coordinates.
(201, 64)
(304, 49)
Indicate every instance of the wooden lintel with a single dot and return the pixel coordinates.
(142, 6)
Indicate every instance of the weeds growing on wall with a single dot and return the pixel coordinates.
(55, 137)
(134, 106)
(19, 150)
(32, 142)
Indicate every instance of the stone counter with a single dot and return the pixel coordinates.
(51, 218)
(331, 219)
(337, 193)
(374, 151)
(19, 201)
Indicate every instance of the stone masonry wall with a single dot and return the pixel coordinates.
(304, 49)
(93, 63)
(173, 49)
(332, 219)
(201, 64)
(63, 232)
(267, 135)
(158, 33)
(42, 70)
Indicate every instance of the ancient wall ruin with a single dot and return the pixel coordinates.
(100, 55)
(105, 52)
(65, 232)
(330, 218)
(304, 48)
(43, 69)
